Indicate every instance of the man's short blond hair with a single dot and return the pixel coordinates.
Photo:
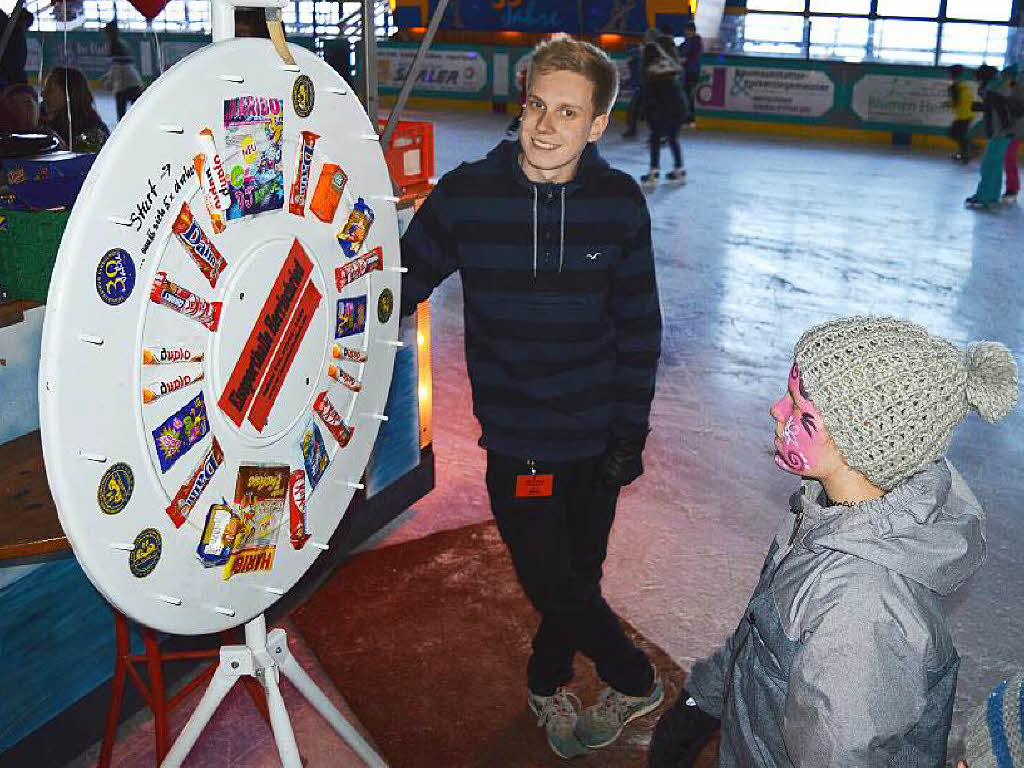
(568, 54)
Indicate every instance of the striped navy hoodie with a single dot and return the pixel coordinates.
(562, 321)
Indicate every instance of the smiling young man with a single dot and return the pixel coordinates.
(563, 335)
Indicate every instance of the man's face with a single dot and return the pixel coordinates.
(558, 121)
(802, 446)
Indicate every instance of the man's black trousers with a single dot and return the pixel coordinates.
(558, 545)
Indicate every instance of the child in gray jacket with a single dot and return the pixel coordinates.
(843, 657)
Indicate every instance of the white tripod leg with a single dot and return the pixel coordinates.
(277, 644)
(279, 722)
(235, 661)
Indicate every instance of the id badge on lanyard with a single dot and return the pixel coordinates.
(533, 486)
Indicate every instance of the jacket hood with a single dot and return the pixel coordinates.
(930, 528)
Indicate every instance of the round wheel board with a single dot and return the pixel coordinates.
(219, 336)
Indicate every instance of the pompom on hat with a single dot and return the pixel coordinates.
(994, 730)
(890, 393)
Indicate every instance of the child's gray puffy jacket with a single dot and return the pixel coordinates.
(844, 658)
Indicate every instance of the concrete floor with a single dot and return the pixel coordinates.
(769, 236)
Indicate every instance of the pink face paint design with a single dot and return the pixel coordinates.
(799, 440)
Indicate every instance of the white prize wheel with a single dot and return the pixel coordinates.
(119, 467)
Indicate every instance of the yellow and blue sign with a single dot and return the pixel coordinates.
(115, 277)
(145, 553)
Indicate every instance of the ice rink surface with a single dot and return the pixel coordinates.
(769, 236)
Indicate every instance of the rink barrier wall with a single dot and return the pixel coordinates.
(874, 103)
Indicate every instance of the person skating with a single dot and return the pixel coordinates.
(663, 104)
(690, 52)
(998, 129)
(563, 336)
(960, 100)
(635, 62)
(843, 657)
(123, 79)
(1014, 91)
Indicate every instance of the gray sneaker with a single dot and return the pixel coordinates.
(557, 715)
(600, 725)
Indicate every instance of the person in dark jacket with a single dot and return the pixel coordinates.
(999, 130)
(663, 104)
(12, 65)
(690, 52)
(843, 657)
(635, 60)
(563, 336)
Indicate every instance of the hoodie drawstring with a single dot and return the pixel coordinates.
(534, 231)
(561, 236)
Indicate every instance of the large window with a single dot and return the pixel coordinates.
(308, 17)
(932, 32)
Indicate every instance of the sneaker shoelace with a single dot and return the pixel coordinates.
(558, 706)
(612, 704)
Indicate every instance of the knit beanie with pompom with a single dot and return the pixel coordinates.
(890, 393)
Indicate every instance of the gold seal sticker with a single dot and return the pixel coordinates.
(145, 553)
(115, 489)
(385, 305)
(303, 96)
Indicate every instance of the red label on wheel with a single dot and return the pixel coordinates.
(265, 335)
(284, 356)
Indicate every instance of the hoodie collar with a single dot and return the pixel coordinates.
(507, 153)
(930, 528)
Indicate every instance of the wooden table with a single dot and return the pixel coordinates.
(29, 527)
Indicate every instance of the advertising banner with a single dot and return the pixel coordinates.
(593, 16)
(911, 101)
(766, 91)
(449, 71)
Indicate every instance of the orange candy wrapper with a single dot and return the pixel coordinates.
(328, 191)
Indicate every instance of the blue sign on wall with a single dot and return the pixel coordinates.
(574, 16)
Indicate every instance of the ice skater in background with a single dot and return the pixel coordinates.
(999, 130)
(960, 99)
(123, 79)
(690, 52)
(1014, 86)
(664, 104)
(843, 657)
(635, 60)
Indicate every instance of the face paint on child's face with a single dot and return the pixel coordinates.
(800, 437)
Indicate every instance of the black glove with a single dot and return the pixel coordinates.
(621, 463)
(680, 735)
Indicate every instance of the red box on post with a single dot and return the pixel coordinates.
(410, 154)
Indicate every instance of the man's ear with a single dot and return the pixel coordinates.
(597, 127)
